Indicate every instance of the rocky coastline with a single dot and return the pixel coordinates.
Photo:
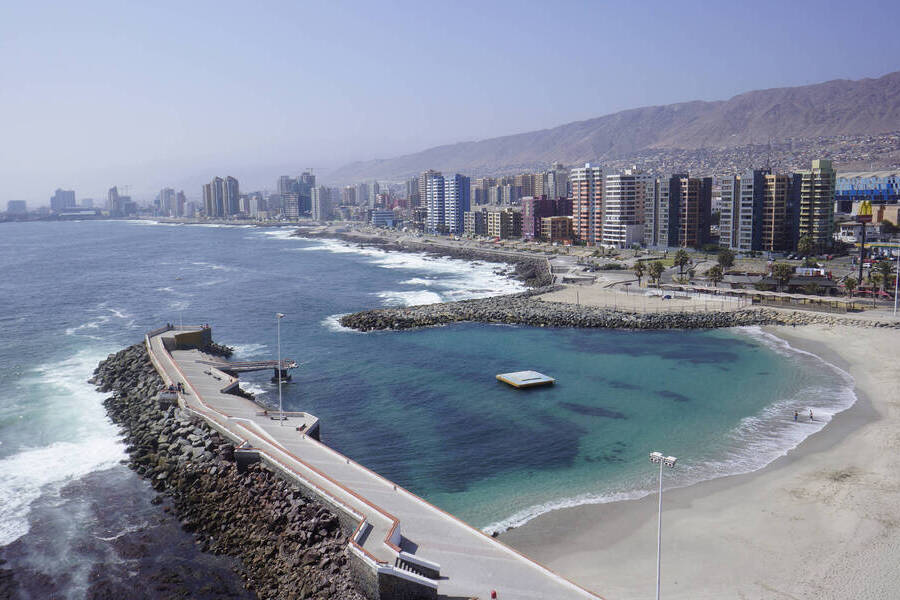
(523, 309)
(287, 544)
(532, 271)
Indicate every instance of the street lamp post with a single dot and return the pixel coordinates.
(278, 318)
(669, 461)
(896, 282)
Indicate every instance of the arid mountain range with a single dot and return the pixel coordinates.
(806, 116)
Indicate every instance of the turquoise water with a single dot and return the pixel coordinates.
(421, 407)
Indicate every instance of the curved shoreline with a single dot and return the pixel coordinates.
(796, 527)
(525, 516)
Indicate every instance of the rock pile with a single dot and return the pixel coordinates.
(522, 309)
(289, 545)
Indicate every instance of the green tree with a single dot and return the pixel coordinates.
(805, 245)
(888, 228)
(655, 271)
(850, 283)
(715, 274)
(782, 273)
(639, 271)
(875, 281)
(885, 269)
(726, 259)
(681, 259)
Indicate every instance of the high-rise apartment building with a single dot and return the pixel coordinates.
(475, 221)
(557, 181)
(774, 231)
(525, 183)
(587, 203)
(16, 207)
(166, 203)
(434, 201)
(221, 197)
(62, 199)
(114, 202)
(758, 210)
(623, 208)
(457, 190)
(423, 184)
(694, 211)
(817, 204)
(412, 192)
(505, 223)
(362, 195)
(348, 195)
(321, 204)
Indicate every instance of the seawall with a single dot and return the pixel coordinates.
(289, 544)
(522, 309)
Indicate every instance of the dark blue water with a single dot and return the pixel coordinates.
(421, 407)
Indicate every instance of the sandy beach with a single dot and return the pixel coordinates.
(821, 522)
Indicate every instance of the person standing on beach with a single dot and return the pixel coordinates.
(810, 415)
(796, 416)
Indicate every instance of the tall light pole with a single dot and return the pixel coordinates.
(669, 461)
(278, 318)
(897, 281)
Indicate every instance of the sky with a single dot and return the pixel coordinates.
(155, 94)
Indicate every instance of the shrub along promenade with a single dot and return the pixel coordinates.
(528, 309)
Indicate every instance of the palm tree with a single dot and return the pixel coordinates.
(681, 259)
(885, 269)
(656, 270)
(639, 271)
(715, 274)
(875, 280)
(805, 245)
(782, 273)
(850, 283)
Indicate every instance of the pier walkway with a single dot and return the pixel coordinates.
(398, 536)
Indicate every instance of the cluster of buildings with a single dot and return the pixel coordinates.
(758, 210)
(754, 210)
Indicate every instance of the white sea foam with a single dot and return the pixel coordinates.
(333, 323)
(101, 315)
(754, 443)
(254, 388)
(410, 298)
(213, 266)
(250, 350)
(72, 410)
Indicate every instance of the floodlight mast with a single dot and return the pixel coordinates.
(669, 461)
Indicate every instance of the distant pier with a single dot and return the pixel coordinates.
(401, 545)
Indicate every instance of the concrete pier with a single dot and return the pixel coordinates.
(401, 546)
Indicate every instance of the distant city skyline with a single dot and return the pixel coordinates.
(98, 94)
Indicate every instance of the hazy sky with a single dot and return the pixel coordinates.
(150, 94)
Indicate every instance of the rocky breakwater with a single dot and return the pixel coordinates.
(288, 545)
(524, 309)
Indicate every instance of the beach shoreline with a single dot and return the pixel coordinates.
(816, 523)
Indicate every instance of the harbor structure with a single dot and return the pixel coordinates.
(399, 545)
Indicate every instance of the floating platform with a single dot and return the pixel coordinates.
(525, 379)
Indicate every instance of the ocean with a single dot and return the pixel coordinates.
(422, 407)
